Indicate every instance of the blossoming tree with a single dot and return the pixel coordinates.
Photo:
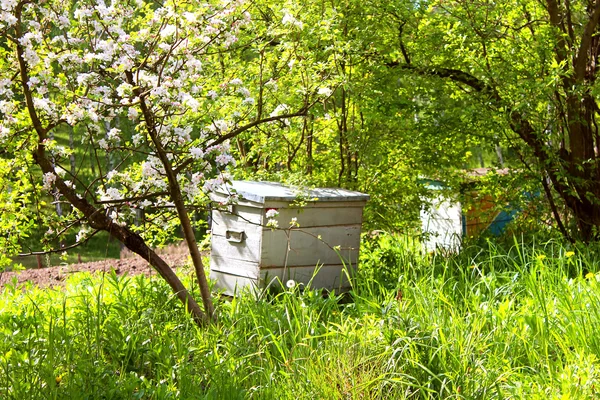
(144, 92)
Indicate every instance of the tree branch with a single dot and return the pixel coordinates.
(133, 199)
(252, 124)
(586, 40)
(53, 251)
(518, 124)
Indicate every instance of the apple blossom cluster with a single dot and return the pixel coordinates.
(289, 19)
(271, 214)
(83, 233)
(112, 71)
(48, 181)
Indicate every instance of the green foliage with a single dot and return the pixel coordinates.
(492, 322)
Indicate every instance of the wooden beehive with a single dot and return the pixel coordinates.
(322, 249)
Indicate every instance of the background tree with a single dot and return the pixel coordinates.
(531, 68)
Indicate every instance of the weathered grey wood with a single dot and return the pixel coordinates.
(241, 218)
(305, 247)
(262, 192)
(249, 249)
(322, 277)
(245, 252)
(343, 214)
(232, 284)
(235, 267)
(329, 277)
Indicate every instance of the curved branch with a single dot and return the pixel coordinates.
(52, 251)
(518, 123)
(254, 123)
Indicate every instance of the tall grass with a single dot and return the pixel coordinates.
(518, 321)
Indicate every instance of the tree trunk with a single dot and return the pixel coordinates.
(177, 198)
(98, 219)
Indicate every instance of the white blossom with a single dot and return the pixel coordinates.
(31, 57)
(132, 113)
(111, 174)
(197, 152)
(124, 89)
(82, 234)
(4, 131)
(220, 125)
(111, 194)
(288, 19)
(137, 139)
(183, 134)
(244, 91)
(7, 107)
(212, 94)
(279, 110)
(224, 159)
(8, 18)
(44, 105)
(114, 135)
(272, 84)
(272, 213)
(192, 188)
(48, 180)
(168, 31)
(324, 91)
(152, 168)
(83, 12)
(63, 22)
(189, 101)
(5, 87)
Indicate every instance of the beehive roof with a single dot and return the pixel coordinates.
(262, 192)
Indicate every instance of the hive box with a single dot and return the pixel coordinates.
(322, 250)
(448, 221)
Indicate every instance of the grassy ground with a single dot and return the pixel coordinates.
(489, 323)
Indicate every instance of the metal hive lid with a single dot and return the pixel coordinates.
(262, 192)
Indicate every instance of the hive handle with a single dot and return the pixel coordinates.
(235, 236)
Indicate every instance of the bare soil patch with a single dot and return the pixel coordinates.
(130, 264)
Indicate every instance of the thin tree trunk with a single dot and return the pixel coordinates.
(177, 198)
(500, 156)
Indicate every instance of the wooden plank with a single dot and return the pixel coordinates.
(320, 216)
(328, 277)
(232, 284)
(226, 230)
(262, 192)
(247, 250)
(242, 218)
(310, 246)
(236, 267)
(316, 204)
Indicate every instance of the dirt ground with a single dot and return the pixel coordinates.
(55, 276)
